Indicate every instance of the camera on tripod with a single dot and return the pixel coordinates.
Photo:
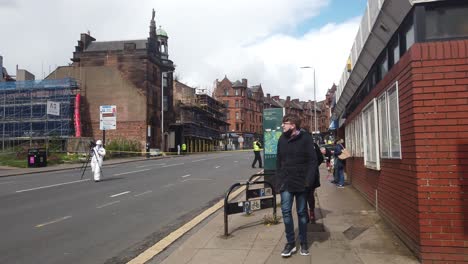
(91, 146)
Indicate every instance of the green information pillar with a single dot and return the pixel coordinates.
(272, 119)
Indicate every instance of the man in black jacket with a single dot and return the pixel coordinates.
(295, 172)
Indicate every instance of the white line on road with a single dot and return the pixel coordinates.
(217, 167)
(122, 193)
(6, 182)
(143, 193)
(236, 161)
(49, 186)
(142, 166)
(107, 204)
(195, 179)
(123, 173)
(168, 185)
(172, 165)
(198, 160)
(54, 221)
(185, 176)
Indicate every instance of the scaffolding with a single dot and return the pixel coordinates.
(23, 110)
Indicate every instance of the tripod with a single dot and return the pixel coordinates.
(91, 153)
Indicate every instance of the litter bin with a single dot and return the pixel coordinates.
(37, 158)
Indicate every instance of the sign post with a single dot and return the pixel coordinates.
(108, 119)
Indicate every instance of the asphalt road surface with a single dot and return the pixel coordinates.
(55, 217)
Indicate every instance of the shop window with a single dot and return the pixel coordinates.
(389, 123)
(370, 130)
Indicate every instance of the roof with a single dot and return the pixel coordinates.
(161, 32)
(237, 84)
(115, 45)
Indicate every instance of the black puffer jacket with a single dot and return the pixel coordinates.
(296, 163)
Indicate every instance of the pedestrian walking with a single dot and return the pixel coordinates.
(339, 164)
(178, 149)
(257, 147)
(97, 160)
(184, 148)
(314, 185)
(295, 171)
(328, 159)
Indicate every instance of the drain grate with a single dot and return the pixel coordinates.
(354, 231)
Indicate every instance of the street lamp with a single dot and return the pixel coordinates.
(162, 108)
(315, 100)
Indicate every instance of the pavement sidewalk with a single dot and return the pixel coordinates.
(348, 230)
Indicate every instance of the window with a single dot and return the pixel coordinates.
(237, 103)
(409, 37)
(237, 116)
(226, 103)
(237, 127)
(226, 92)
(370, 134)
(389, 123)
(446, 21)
(383, 67)
(236, 92)
(394, 52)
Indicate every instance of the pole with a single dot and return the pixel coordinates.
(315, 105)
(162, 111)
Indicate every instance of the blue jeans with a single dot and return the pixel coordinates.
(341, 176)
(287, 199)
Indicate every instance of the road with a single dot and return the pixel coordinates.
(55, 217)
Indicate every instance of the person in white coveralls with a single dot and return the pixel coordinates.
(96, 161)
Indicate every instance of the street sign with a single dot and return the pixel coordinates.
(108, 117)
(272, 118)
(53, 108)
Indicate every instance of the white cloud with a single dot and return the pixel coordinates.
(207, 38)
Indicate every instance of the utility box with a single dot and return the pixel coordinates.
(37, 158)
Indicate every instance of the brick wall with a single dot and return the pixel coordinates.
(424, 195)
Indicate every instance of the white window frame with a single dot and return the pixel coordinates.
(366, 123)
(389, 125)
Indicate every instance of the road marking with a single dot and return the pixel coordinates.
(217, 167)
(185, 176)
(143, 193)
(107, 204)
(6, 182)
(168, 185)
(123, 173)
(172, 165)
(142, 166)
(196, 179)
(236, 161)
(122, 193)
(168, 240)
(198, 160)
(49, 186)
(54, 221)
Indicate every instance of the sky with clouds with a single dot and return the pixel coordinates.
(264, 41)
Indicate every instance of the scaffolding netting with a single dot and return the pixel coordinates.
(23, 109)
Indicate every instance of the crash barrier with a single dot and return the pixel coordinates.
(256, 199)
(37, 157)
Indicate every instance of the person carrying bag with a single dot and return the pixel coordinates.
(344, 153)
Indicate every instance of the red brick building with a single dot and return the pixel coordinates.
(403, 110)
(244, 110)
(128, 74)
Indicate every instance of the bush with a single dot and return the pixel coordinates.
(121, 147)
